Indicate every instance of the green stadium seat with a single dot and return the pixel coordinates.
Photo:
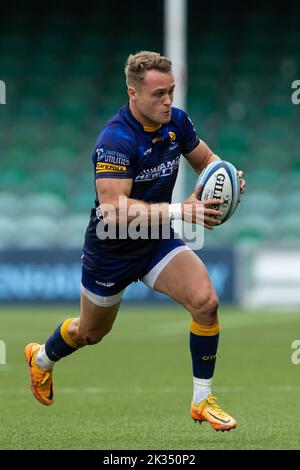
(286, 229)
(296, 164)
(264, 179)
(28, 133)
(76, 88)
(272, 156)
(88, 63)
(206, 65)
(72, 110)
(252, 229)
(214, 44)
(13, 180)
(17, 42)
(8, 230)
(9, 204)
(273, 130)
(200, 110)
(251, 64)
(38, 231)
(72, 230)
(51, 181)
(93, 43)
(204, 90)
(48, 65)
(11, 66)
(18, 158)
(290, 203)
(240, 111)
(33, 108)
(259, 202)
(289, 180)
(58, 158)
(52, 43)
(233, 137)
(245, 88)
(82, 202)
(64, 135)
(40, 87)
(223, 235)
(41, 204)
(233, 155)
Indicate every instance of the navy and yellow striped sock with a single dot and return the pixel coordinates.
(203, 345)
(60, 344)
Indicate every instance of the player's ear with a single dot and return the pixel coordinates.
(131, 92)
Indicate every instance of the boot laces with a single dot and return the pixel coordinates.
(44, 379)
(211, 401)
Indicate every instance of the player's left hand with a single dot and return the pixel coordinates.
(240, 174)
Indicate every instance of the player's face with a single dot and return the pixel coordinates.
(153, 98)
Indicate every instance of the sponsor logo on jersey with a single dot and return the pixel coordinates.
(104, 167)
(148, 151)
(159, 171)
(111, 156)
(173, 146)
(157, 139)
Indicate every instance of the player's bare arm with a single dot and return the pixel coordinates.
(202, 156)
(117, 206)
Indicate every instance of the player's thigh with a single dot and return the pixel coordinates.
(96, 318)
(186, 280)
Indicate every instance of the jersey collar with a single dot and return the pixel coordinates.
(132, 119)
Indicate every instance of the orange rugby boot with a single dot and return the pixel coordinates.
(40, 380)
(208, 410)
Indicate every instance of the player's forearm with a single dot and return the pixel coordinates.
(211, 157)
(124, 210)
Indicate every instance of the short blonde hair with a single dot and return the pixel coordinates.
(137, 64)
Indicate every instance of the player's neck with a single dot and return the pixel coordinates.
(146, 123)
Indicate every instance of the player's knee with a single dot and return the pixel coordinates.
(204, 308)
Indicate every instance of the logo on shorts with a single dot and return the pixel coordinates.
(105, 284)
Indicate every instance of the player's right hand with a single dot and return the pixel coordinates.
(205, 213)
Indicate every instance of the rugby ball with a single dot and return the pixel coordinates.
(219, 180)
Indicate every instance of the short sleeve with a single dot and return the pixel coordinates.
(113, 154)
(190, 137)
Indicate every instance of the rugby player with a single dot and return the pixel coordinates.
(136, 159)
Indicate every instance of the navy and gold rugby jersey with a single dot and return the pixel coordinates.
(148, 156)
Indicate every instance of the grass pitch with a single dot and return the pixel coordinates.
(133, 390)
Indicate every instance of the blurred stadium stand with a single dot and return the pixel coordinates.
(241, 66)
(64, 76)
